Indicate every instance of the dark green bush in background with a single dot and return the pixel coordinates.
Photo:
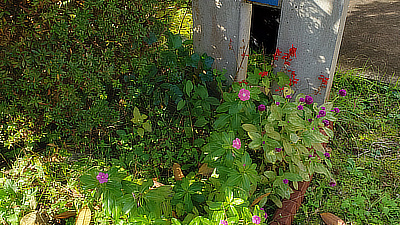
(72, 72)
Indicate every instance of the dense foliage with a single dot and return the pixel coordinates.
(108, 80)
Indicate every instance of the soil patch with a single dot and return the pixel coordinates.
(371, 38)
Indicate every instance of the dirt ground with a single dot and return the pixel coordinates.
(371, 39)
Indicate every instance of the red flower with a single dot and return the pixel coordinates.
(277, 53)
(323, 79)
(263, 74)
(292, 51)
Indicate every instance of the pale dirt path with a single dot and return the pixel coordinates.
(372, 38)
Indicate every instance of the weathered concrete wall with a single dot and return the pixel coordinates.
(222, 30)
(315, 28)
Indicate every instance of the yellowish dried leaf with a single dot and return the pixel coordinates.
(84, 216)
(65, 215)
(205, 170)
(257, 200)
(177, 171)
(331, 219)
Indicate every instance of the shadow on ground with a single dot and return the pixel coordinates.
(371, 38)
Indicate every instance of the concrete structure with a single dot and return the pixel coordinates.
(222, 30)
(315, 28)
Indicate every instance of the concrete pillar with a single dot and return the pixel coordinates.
(315, 28)
(222, 30)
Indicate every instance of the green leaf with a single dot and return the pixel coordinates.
(283, 79)
(215, 205)
(274, 135)
(201, 122)
(147, 126)
(294, 138)
(189, 87)
(254, 136)
(201, 91)
(140, 131)
(235, 121)
(319, 168)
(276, 200)
(222, 121)
(288, 147)
(271, 175)
(249, 128)
(292, 177)
(212, 101)
(224, 107)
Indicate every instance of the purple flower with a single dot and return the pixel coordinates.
(285, 181)
(262, 209)
(309, 99)
(301, 100)
(336, 110)
(102, 177)
(288, 96)
(310, 120)
(327, 155)
(300, 107)
(244, 94)
(310, 156)
(277, 103)
(266, 216)
(223, 222)
(244, 165)
(278, 149)
(263, 142)
(332, 183)
(342, 92)
(326, 122)
(323, 108)
(322, 113)
(261, 107)
(256, 219)
(236, 143)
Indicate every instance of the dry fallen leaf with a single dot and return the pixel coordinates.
(205, 170)
(177, 171)
(157, 184)
(257, 200)
(65, 215)
(34, 218)
(84, 216)
(331, 219)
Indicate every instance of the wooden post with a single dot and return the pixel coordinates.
(222, 30)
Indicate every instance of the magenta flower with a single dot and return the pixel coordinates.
(244, 94)
(285, 181)
(261, 107)
(236, 143)
(278, 149)
(327, 155)
(332, 183)
(321, 113)
(342, 92)
(256, 219)
(223, 222)
(310, 156)
(244, 165)
(326, 122)
(323, 108)
(266, 216)
(301, 99)
(336, 110)
(310, 120)
(309, 100)
(102, 177)
(277, 103)
(288, 96)
(300, 107)
(263, 142)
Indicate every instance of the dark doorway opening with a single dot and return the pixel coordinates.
(264, 28)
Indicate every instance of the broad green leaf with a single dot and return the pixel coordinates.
(212, 101)
(147, 126)
(254, 136)
(292, 177)
(287, 147)
(221, 122)
(201, 122)
(276, 200)
(140, 131)
(271, 175)
(224, 107)
(249, 128)
(319, 168)
(274, 135)
(181, 104)
(189, 86)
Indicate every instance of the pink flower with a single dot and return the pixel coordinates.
(244, 94)
(223, 222)
(236, 143)
(256, 219)
(102, 177)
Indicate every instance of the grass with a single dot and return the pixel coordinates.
(365, 157)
